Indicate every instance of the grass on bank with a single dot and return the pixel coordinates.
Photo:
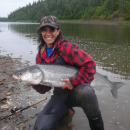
(125, 23)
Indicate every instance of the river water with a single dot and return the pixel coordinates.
(109, 45)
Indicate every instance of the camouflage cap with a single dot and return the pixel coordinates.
(49, 21)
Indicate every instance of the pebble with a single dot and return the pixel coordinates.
(8, 94)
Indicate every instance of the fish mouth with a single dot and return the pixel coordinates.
(15, 77)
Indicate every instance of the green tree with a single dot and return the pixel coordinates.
(72, 9)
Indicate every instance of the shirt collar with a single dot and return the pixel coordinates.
(56, 46)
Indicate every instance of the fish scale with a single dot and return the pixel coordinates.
(53, 74)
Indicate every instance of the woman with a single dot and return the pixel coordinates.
(77, 91)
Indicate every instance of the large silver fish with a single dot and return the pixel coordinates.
(51, 75)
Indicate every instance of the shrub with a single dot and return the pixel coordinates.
(94, 16)
(127, 17)
(109, 17)
(115, 15)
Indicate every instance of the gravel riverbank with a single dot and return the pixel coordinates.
(9, 88)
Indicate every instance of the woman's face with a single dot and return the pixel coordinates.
(49, 35)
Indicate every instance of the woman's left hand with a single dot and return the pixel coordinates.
(68, 84)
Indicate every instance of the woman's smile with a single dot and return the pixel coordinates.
(49, 35)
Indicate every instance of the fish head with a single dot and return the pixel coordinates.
(31, 74)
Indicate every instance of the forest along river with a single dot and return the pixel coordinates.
(109, 45)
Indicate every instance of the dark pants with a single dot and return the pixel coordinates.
(57, 108)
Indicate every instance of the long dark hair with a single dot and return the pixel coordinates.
(41, 42)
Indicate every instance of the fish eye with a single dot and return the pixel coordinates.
(20, 73)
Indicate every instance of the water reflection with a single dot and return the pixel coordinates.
(108, 45)
(27, 30)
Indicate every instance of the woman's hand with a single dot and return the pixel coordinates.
(68, 84)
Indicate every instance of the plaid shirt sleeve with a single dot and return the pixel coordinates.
(41, 88)
(73, 55)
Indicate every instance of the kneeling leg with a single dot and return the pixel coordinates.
(84, 96)
(53, 112)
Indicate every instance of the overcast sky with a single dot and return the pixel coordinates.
(8, 6)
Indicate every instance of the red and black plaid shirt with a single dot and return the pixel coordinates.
(73, 55)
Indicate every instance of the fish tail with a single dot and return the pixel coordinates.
(116, 85)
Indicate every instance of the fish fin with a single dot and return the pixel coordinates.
(99, 88)
(114, 93)
(46, 84)
(118, 85)
(105, 76)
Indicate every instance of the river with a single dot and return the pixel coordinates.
(109, 45)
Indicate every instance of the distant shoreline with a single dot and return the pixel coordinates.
(118, 21)
(98, 21)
